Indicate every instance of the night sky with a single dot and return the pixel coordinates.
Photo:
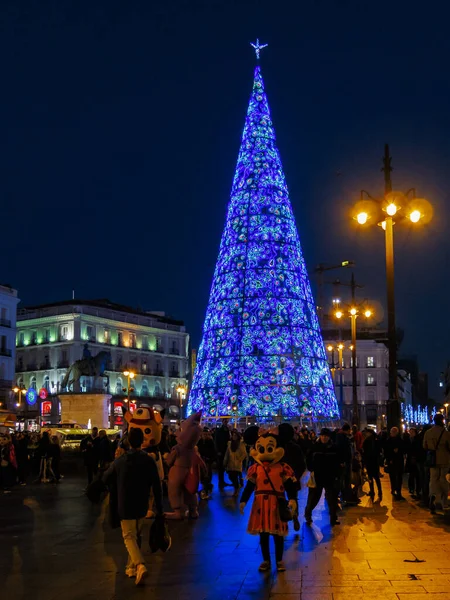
(121, 124)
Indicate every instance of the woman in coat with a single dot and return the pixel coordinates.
(235, 455)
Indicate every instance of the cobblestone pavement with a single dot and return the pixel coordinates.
(55, 545)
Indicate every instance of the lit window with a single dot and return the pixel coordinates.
(370, 361)
(370, 379)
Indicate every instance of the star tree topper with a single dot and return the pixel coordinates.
(258, 47)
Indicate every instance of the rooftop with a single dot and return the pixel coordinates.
(102, 303)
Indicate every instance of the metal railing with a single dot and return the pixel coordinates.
(5, 323)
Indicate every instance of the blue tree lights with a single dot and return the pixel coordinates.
(262, 352)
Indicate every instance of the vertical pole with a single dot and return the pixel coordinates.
(393, 406)
(355, 408)
(341, 383)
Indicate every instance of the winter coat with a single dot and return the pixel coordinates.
(207, 450)
(394, 450)
(443, 449)
(221, 438)
(135, 474)
(233, 460)
(325, 463)
(371, 454)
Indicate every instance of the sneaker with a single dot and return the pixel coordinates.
(141, 574)
(203, 495)
(281, 566)
(433, 505)
(296, 523)
(6, 491)
(264, 566)
(23, 483)
(130, 572)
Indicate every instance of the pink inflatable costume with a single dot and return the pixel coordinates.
(184, 463)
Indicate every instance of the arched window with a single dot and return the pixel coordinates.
(158, 389)
(20, 383)
(144, 388)
(119, 386)
(33, 382)
(47, 383)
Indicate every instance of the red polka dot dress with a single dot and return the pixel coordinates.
(264, 516)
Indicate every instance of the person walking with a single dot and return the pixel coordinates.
(54, 458)
(89, 452)
(371, 451)
(134, 475)
(437, 444)
(221, 439)
(234, 457)
(104, 450)
(22, 457)
(414, 452)
(324, 465)
(394, 452)
(8, 463)
(207, 451)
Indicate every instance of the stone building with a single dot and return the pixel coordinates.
(52, 337)
(8, 307)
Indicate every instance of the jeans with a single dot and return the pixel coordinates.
(131, 533)
(439, 485)
(265, 550)
(234, 478)
(396, 477)
(414, 479)
(314, 496)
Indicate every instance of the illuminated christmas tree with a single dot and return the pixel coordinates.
(262, 351)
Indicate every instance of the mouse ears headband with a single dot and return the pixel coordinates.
(283, 433)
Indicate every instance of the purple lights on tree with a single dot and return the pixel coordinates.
(262, 352)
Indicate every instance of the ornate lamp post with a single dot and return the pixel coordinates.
(353, 312)
(181, 389)
(339, 348)
(129, 375)
(417, 210)
(19, 391)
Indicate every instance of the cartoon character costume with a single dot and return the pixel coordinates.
(269, 478)
(150, 421)
(185, 463)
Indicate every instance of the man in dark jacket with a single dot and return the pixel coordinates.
(394, 452)
(207, 451)
(345, 452)
(89, 451)
(324, 464)
(371, 451)
(135, 474)
(221, 438)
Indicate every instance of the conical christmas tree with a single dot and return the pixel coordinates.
(262, 352)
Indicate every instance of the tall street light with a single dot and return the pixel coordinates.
(130, 375)
(181, 389)
(353, 312)
(415, 210)
(19, 391)
(339, 348)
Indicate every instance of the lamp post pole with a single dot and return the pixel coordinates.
(393, 407)
(341, 381)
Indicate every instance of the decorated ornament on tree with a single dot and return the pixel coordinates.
(262, 352)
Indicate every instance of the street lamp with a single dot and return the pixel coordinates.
(129, 375)
(446, 405)
(181, 389)
(340, 348)
(19, 391)
(353, 313)
(415, 210)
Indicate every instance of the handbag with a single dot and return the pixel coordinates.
(430, 460)
(159, 536)
(284, 509)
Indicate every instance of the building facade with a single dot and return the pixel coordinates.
(8, 309)
(50, 338)
(372, 376)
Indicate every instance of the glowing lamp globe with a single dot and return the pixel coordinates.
(391, 209)
(362, 218)
(415, 216)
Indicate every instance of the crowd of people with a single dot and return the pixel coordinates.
(27, 456)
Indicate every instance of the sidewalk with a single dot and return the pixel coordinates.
(55, 545)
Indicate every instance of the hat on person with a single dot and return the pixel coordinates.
(325, 431)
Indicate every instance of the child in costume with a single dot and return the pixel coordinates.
(185, 463)
(269, 478)
(234, 457)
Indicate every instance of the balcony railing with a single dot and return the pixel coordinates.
(63, 364)
(174, 374)
(5, 323)
(45, 366)
(5, 352)
(31, 367)
(174, 351)
(157, 373)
